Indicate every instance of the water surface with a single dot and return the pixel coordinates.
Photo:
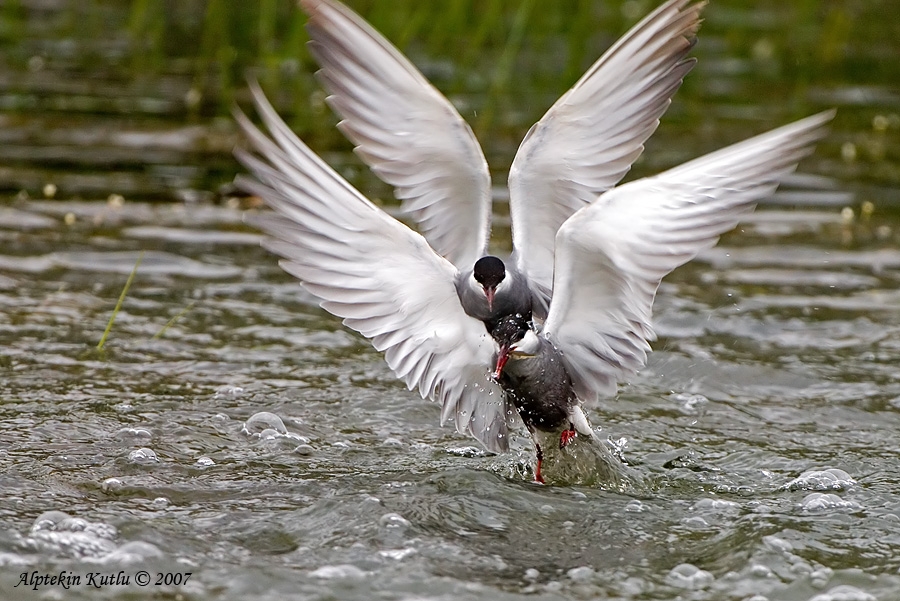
(257, 444)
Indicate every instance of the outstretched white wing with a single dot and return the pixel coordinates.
(378, 275)
(588, 140)
(611, 255)
(405, 130)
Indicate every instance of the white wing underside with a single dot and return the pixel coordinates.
(405, 130)
(611, 255)
(378, 275)
(590, 137)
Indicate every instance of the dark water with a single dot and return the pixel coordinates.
(765, 426)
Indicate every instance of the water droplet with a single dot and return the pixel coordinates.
(760, 571)
(269, 434)
(715, 505)
(49, 520)
(111, 485)
(818, 501)
(635, 507)
(397, 554)
(695, 523)
(304, 449)
(143, 456)
(231, 392)
(394, 520)
(262, 421)
(126, 433)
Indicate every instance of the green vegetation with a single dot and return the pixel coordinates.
(112, 318)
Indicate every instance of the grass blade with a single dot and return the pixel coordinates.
(174, 319)
(112, 318)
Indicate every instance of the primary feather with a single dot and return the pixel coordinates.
(382, 278)
(612, 254)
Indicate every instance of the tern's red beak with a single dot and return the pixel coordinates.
(489, 294)
(502, 358)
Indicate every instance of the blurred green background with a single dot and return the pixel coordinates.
(134, 98)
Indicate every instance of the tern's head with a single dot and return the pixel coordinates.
(489, 272)
(515, 338)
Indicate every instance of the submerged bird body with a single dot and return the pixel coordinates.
(531, 372)
(541, 390)
(537, 382)
(444, 314)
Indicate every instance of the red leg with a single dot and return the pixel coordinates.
(567, 436)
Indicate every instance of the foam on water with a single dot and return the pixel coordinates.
(56, 533)
(339, 572)
(134, 552)
(844, 592)
(818, 501)
(689, 576)
(821, 480)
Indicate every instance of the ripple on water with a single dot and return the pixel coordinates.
(834, 280)
(121, 262)
(192, 236)
(16, 219)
